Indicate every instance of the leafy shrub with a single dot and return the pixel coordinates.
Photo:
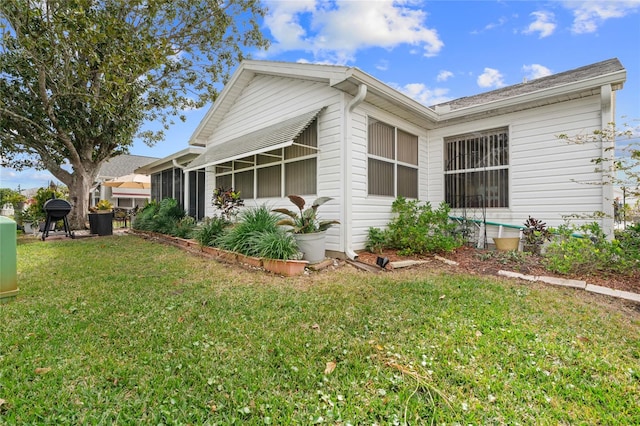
(252, 221)
(210, 230)
(165, 217)
(376, 240)
(227, 201)
(591, 252)
(275, 245)
(418, 228)
(144, 219)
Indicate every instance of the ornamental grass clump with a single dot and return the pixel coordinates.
(251, 222)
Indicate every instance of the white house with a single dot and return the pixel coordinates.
(321, 130)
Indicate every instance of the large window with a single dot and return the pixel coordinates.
(170, 183)
(275, 173)
(393, 161)
(477, 169)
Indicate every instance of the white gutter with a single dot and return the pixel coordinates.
(348, 172)
(608, 155)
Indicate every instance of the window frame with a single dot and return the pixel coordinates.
(393, 160)
(486, 153)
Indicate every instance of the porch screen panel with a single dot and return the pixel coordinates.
(269, 182)
(244, 184)
(224, 181)
(309, 137)
(178, 188)
(380, 178)
(201, 194)
(167, 184)
(156, 186)
(193, 193)
(300, 177)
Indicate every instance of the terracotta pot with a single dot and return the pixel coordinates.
(506, 243)
(287, 268)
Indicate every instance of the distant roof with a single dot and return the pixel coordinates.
(583, 73)
(123, 165)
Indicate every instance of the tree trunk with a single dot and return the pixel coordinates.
(79, 186)
(79, 197)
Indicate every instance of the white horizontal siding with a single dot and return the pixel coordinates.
(549, 178)
(268, 100)
(375, 211)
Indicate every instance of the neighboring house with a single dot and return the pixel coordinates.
(320, 130)
(117, 167)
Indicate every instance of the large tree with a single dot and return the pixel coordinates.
(79, 78)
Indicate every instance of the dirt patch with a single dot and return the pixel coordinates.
(488, 262)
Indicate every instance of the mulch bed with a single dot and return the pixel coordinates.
(486, 262)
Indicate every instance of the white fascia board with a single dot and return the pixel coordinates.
(388, 92)
(145, 170)
(617, 77)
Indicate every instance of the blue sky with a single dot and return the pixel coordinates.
(435, 51)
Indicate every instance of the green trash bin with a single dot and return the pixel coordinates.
(8, 260)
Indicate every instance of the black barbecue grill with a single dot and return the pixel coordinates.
(57, 209)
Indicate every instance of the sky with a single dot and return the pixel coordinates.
(435, 51)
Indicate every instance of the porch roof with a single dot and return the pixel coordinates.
(279, 135)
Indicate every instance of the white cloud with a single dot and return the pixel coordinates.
(423, 94)
(336, 30)
(589, 15)
(534, 71)
(444, 75)
(491, 78)
(543, 24)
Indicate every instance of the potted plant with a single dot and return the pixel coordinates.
(535, 234)
(101, 218)
(307, 228)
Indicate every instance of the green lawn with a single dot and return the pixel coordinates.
(119, 330)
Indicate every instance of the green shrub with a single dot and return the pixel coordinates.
(419, 229)
(376, 240)
(144, 218)
(590, 252)
(252, 221)
(165, 217)
(210, 230)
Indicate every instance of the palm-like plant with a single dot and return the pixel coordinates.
(306, 221)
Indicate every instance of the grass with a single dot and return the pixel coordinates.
(121, 330)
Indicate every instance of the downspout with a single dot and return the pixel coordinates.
(185, 196)
(608, 154)
(348, 173)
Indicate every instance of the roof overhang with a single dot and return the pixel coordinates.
(279, 135)
(183, 156)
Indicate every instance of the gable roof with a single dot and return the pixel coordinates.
(122, 165)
